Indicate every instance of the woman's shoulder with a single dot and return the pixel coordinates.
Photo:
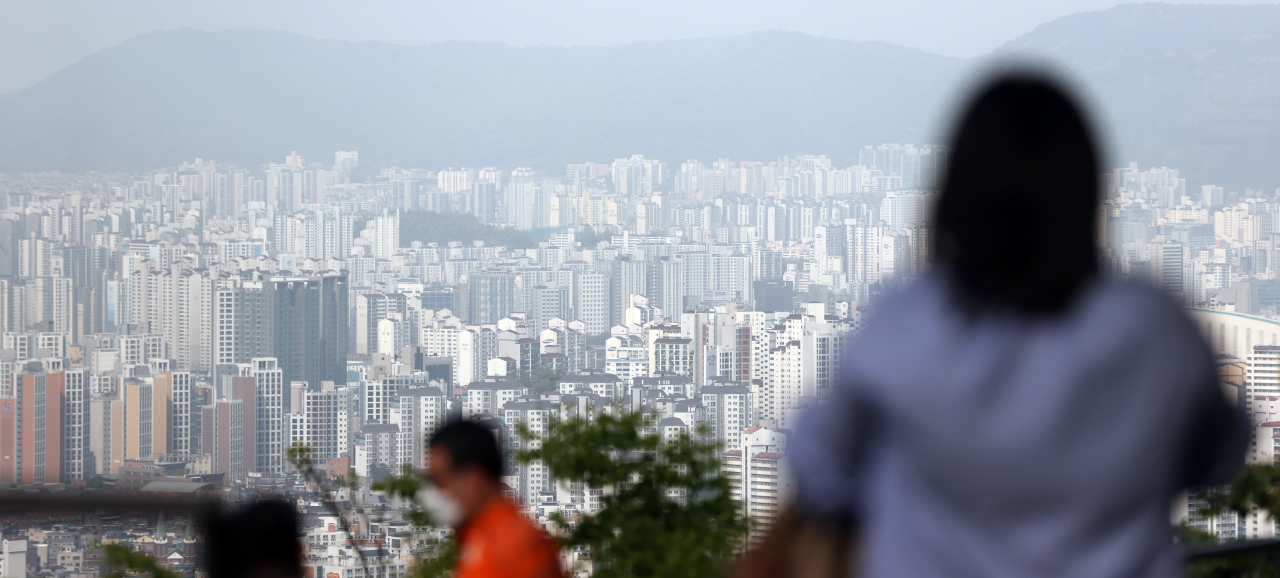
(1133, 317)
(1104, 306)
(1115, 301)
(902, 324)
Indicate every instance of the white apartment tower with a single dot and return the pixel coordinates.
(534, 477)
(313, 419)
(420, 411)
(183, 392)
(270, 403)
(385, 234)
(590, 305)
(728, 413)
(760, 478)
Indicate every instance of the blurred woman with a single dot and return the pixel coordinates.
(1014, 414)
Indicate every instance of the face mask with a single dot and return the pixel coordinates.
(443, 508)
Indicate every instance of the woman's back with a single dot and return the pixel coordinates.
(1002, 445)
(1013, 414)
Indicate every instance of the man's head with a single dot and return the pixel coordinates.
(466, 466)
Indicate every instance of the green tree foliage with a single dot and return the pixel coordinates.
(431, 227)
(130, 563)
(590, 238)
(1257, 486)
(1252, 564)
(641, 530)
(542, 379)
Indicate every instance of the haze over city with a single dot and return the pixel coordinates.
(270, 253)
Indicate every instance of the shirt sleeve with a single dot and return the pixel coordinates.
(831, 450)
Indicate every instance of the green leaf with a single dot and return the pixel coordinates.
(128, 561)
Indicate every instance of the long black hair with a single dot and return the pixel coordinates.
(1016, 224)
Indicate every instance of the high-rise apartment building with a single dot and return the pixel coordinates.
(728, 413)
(418, 413)
(590, 301)
(32, 427)
(492, 296)
(370, 308)
(269, 403)
(535, 480)
(760, 479)
(222, 437)
(314, 418)
(384, 234)
(547, 303)
(300, 321)
(75, 421)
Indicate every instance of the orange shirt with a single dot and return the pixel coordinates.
(501, 543)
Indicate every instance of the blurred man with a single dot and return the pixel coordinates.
(494, 540)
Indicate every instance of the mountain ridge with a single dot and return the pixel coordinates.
(662, 81)
(1185, 86)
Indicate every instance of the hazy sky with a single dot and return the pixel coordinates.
(38, 37)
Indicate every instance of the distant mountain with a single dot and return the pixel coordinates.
(1192, 87)
(251, 96)
(1186, 86)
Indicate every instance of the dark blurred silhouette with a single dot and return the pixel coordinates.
(1016, 224)
(494, 538)
(259, 541)
(1013, 413)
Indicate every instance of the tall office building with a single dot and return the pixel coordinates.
(344, 161)
(1170, 270)
(454, 181)
(1261, 384)
(146, 410)
(378, 396)
(285, 187)
(638, 176)
(518, 199)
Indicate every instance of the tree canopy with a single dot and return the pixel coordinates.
(666, 509)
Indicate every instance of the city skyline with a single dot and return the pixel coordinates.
(185, 327)
(254, 252)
